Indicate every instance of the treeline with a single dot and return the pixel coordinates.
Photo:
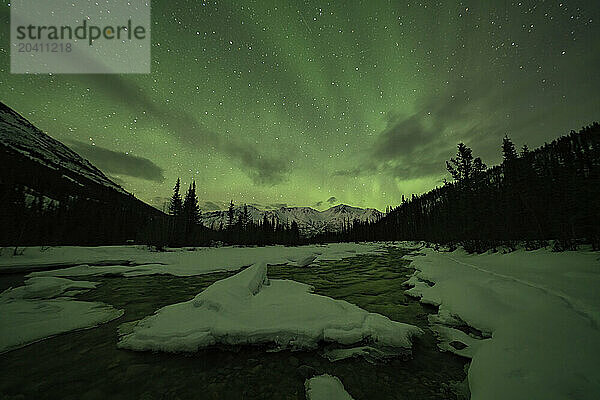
(185, 228)
(551, 193)
(30, 218)
(40, 205)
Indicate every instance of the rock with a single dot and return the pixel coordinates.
(457, 345)
(256, 369)
(149, 396)
(94, 394)
(137, 369)
(293, 361)
(306, 371)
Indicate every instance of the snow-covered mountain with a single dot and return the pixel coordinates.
(309, 220)
(22, 143)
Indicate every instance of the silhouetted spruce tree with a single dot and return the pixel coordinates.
(294, 233)
(510, 196)
(190, 213)
(176, 222)
(463, 168)
(509, 153)
(246, 217)
(176, 204)
(230, 216)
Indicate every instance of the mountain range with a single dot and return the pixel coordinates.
(310, 221)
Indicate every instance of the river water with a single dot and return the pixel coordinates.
(87, 364)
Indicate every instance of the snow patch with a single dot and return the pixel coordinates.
(35, 311)
(326, 387)
(46, 288)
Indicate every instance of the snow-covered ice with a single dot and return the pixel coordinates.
(46, 288)
(302, 261)
(325, 387)
(369, 353)
(41, 309)
(248, 308)
(137, 260)
(539, 312)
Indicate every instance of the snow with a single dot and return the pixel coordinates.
(19, 135)
(538, 310)
(248, 308)
(46, 287)
(369, 353)
(309, 220)
(35, 311)
(325, 387)
(302, 262)
(447, 335)
(137, 260)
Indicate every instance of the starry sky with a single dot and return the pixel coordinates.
(314, 103)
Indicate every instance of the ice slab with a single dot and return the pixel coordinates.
(248, 308)
(35, 311)
(46, 288)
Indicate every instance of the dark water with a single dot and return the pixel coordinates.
(88, 365)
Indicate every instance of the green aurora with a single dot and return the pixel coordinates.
(297, 103)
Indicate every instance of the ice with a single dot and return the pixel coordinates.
(28, 321)
(46, 287)
(304, 261)
(137, 260)
(369, 353)
(248, 308)
(35, 311)
(539, 309)
(325, 387)
(457, 341)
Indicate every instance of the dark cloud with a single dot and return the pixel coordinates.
(260, 167)
(417, 145)
(115, 162)
(332, 200)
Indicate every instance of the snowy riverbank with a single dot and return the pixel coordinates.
(539, 313)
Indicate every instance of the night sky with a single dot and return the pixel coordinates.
(317, 103)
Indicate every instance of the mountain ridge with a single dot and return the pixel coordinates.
(310, 221)
(20, 139)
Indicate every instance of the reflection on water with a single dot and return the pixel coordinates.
(88, 365)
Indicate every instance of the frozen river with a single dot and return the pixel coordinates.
(88, 365)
